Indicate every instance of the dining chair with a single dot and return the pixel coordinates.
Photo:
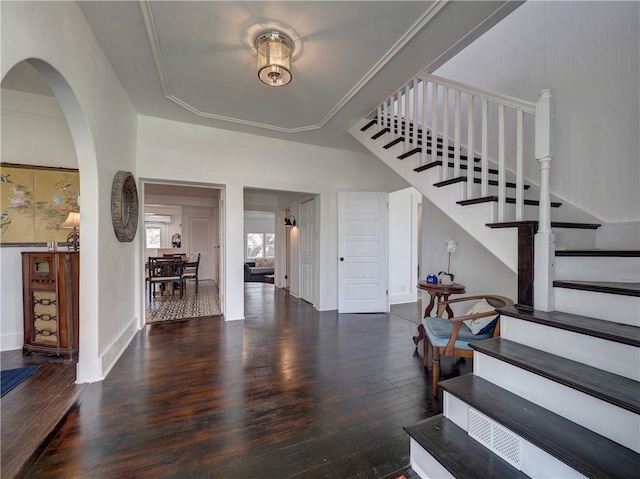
(191, 270)
(165, 271)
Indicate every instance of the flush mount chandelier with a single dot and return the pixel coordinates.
(274, 58)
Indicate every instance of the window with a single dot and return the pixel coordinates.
(155, 235)
(261, 245)
(269, 245)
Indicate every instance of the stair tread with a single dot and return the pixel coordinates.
(626, 253)
(464, 179)
(611, 287)
(586, 451)
(393, 142)
(461, 455)
(554, 224)
(380, 133)
(426, 166)
(612, 388)
(369, 125)
(618, 332)
(407, 154)
(494, 198)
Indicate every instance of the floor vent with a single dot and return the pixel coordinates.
(495, 437)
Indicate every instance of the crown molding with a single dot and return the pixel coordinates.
(152, 36)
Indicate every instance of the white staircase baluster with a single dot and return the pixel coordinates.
(484, 155)
(404, 116)
(470, 154)
(414, 130)
(502, 193)
(519, 167)
(434, 121)
(456, 135)
(425, 130)
(444, 171)
(396, 114)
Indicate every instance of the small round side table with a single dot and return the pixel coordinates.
(440, 292)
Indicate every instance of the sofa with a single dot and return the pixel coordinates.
(255, 271)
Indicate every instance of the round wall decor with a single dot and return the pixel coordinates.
(124, 206)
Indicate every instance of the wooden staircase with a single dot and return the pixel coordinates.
(558, 394)
(416, 140)
(462, 167)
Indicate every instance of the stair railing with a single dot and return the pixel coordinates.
(445, 120)
(430, 115)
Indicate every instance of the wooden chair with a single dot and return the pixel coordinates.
(452, 337)
(167, 271)
(190, 270)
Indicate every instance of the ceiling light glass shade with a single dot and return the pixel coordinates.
(274, 58)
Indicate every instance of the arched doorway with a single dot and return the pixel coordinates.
(47, 115)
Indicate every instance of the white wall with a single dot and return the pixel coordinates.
(35, 131)
(184, 152)
(403, 245)
(102, 122)
(588, 53)
(472, 265)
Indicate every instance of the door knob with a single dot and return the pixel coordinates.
(341, 258)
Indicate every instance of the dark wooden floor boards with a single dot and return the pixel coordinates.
(32, 411)
(289, 392)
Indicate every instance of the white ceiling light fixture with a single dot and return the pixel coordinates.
(274, 58)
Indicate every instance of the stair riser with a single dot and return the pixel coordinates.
(613, 357)
(601, 268)
(533, 461)
(615, 423)
(425, 465)
(569, 238)
(609, 307)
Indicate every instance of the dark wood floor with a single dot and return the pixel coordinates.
(289, 392)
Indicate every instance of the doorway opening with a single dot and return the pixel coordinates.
(182, 250)
(289, 221)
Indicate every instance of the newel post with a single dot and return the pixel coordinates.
(545, 240)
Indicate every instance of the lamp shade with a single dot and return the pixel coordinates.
(274, 58)
(72, 221)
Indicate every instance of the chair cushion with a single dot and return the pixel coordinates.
(481, 325)
(439, 331)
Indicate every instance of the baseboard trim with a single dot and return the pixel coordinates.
(113, 352)
(11, 341)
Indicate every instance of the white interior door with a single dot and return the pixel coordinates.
(362, 252)
(307, 249)
(200, 242)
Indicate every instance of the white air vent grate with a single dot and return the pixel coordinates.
(495, 437)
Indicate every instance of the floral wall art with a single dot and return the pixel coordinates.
(34, 202)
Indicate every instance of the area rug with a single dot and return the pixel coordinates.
(192, 305)
(10, 378)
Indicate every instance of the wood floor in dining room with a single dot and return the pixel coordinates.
(289, 392)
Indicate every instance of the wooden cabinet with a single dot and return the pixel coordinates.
(50, 287)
